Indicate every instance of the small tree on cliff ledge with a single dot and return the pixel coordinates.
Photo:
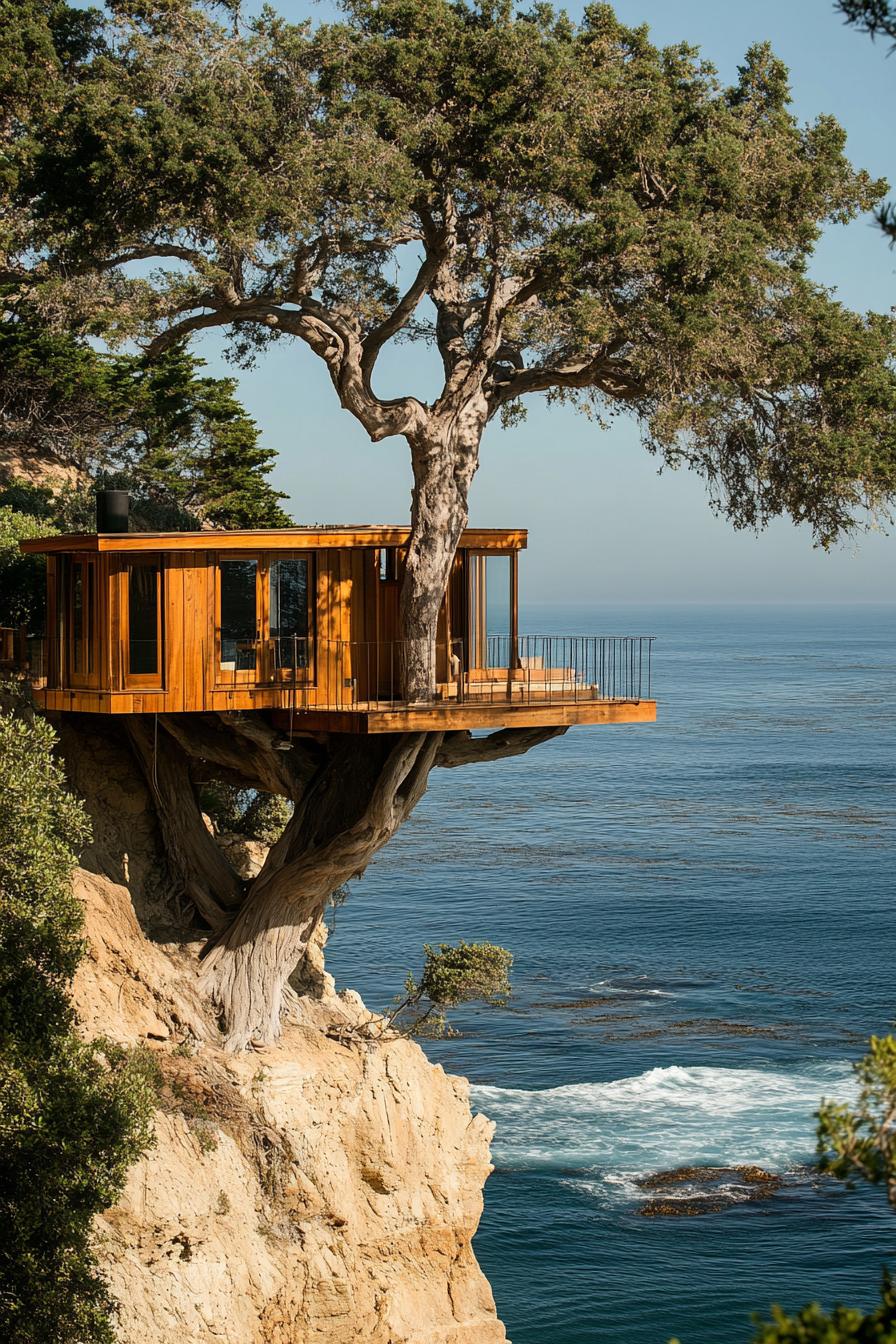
(571, 211)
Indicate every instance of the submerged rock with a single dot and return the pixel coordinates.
(687, 1192)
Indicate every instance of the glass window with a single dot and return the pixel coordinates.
(497, 594)
(78, 615)
(239, 613)
(143, 620)
(490, 610)
(289, 611)
(82, 619)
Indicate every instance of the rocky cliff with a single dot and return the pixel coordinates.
(319, 1190)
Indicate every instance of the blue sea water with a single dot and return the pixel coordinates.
(663, 889)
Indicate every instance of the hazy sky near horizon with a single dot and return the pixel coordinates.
(603, 524)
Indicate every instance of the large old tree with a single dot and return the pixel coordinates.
(554, 207)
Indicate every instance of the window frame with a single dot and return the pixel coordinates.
(246, 676)
(83, 677)
(305, 676)
(142, 680)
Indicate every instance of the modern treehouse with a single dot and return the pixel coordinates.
(303, 623)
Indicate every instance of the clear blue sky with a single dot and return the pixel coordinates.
(603, 525)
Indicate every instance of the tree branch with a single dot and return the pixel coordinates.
(209, 881)
(375, 340)
(146, 253)
(234, 746)
(601, 372)
(464, 749)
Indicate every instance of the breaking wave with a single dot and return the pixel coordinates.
(604, 1135)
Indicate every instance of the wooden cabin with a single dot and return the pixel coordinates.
(304, 622)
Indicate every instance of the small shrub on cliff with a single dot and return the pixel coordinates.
(73, 1114)
(265, 817)
(468, 973)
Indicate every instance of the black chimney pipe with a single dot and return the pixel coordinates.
(112, 510)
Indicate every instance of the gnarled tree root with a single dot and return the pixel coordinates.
(350, 812)
(350, 795)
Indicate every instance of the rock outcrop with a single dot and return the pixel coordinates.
(323, 1189)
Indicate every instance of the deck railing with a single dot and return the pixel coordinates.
(527, 669)
(354, 674)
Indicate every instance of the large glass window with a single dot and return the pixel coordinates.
(289, 611)
(239, 614)
(144, 620)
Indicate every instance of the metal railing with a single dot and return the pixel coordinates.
(367, 674)
(528, 669)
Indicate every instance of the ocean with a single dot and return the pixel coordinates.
(701, 917)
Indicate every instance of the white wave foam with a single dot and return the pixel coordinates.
(605, 1135)
(631, 991)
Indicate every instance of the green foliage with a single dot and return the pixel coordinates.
(843, 1325)
(179, 440)
(860, 1140)
(225, 804)
(467, 973)
(600, 219)
(259, 816)
(875, 17)
(73, 1115)
(23, 582)
(265, 817)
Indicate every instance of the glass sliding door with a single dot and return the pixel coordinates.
(238, 617)
(265, 618)
(491, 606)
(288, 609)
(144, 623)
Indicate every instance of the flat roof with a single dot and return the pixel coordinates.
(269, 539)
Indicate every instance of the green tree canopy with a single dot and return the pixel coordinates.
(588, 215)
(878, 19)
(178, 438)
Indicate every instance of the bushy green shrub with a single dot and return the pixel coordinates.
(23, 583)
(860, 1140)
(844, 1325)
(467, 973)
(73, 1114)
(265, 817)
(258, 816)
(224, 803)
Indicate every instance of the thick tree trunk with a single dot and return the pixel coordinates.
(358, 801)
(444, 460)
(350, 793)
(209, 881)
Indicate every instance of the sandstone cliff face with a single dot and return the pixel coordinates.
(314, 1191)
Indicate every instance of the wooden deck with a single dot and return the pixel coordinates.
(378, 717)
(451, 717)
